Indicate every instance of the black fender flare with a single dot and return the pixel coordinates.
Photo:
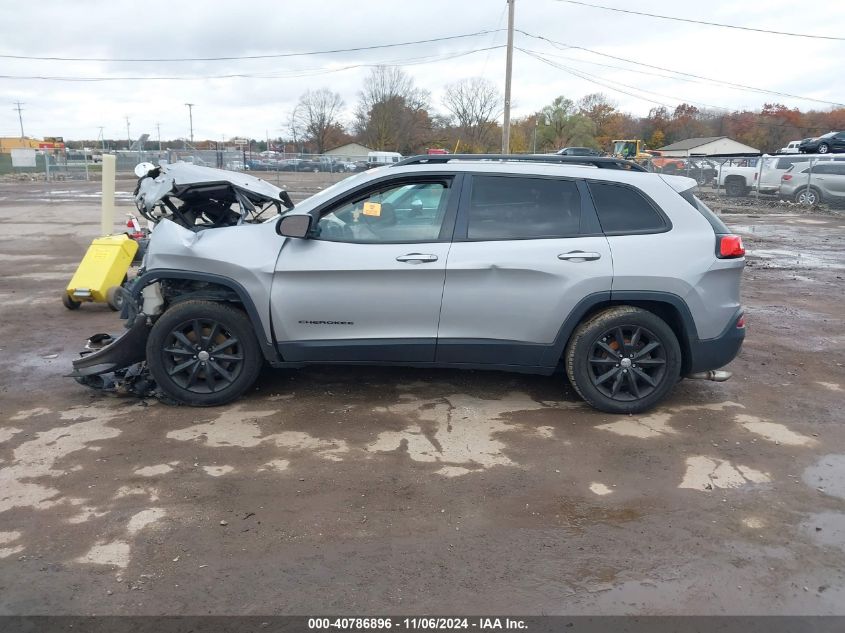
(684, 328)
(163, 274)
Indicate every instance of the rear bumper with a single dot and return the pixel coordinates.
(717, 352)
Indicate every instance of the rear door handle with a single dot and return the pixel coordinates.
(579, 255)
(416, 258)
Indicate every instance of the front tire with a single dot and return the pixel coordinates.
(623, 360)
(203, 353)
(824, 148)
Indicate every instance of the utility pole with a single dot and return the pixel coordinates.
(158, 132)
(191, 119)
(128, 136)
(506, 123)
(17, 107)
(102, 139)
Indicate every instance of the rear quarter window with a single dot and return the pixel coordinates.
(623, 210)
(719, 227)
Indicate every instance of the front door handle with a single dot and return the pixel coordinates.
(416, 258)
(580, 255)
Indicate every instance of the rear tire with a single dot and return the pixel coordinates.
(623, 360)
(808, 196)
(734, 188)
(203, 353)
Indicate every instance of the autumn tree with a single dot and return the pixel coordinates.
(602, 112)
(562, 125)
(392, 113)
(316, 117)
(474, 105)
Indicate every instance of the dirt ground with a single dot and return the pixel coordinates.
(402, 491)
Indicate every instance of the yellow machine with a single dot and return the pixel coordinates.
(632, 149)
(101, 272)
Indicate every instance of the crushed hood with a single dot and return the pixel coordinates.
(195, 195)
(177, 178)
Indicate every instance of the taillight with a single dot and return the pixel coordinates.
(786, 177)
(730, 246)
(740, 322)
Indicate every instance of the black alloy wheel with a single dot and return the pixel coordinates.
(627, 363)
(202, 356)
(204, 353)
(624, 359)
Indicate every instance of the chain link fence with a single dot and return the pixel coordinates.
(785, 179)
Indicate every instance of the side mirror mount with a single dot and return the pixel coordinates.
(298, 226)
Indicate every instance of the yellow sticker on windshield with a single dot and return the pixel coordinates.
(372, 208)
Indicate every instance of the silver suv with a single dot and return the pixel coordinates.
(515, 263)
(825, 183)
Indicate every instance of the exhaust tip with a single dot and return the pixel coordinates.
(715, 375)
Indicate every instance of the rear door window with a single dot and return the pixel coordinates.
(624, 210)
(515, 208)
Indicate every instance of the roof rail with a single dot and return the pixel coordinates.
(602, 162)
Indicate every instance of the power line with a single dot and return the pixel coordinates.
(705, 23)
(412, 61)
(564, 46)
(246, 57)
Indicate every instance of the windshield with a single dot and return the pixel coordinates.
(327, 193)
(625, 148)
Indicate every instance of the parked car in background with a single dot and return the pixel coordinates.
(703, 171)
(255, 164)
(776, 166)
(826, 183)
(830, 142)
(379, 159)
(578, 151)
(664, 164)
(791, 147)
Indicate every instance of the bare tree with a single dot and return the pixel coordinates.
(391, 112)
(315, 117)
(475, 104)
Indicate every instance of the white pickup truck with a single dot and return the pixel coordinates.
(739, 175)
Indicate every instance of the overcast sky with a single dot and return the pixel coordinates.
(256, 106)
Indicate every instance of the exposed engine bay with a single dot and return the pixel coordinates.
(200, 198)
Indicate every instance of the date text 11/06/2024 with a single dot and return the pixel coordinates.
(413, 624)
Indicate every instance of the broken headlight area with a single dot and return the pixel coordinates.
(198, 198)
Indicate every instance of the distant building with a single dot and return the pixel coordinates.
(707, 145)
(350, 152)
(53, 143)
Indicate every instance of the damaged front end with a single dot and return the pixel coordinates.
(184, 202)
(117, 364)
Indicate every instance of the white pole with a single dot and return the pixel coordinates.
(109, 176)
